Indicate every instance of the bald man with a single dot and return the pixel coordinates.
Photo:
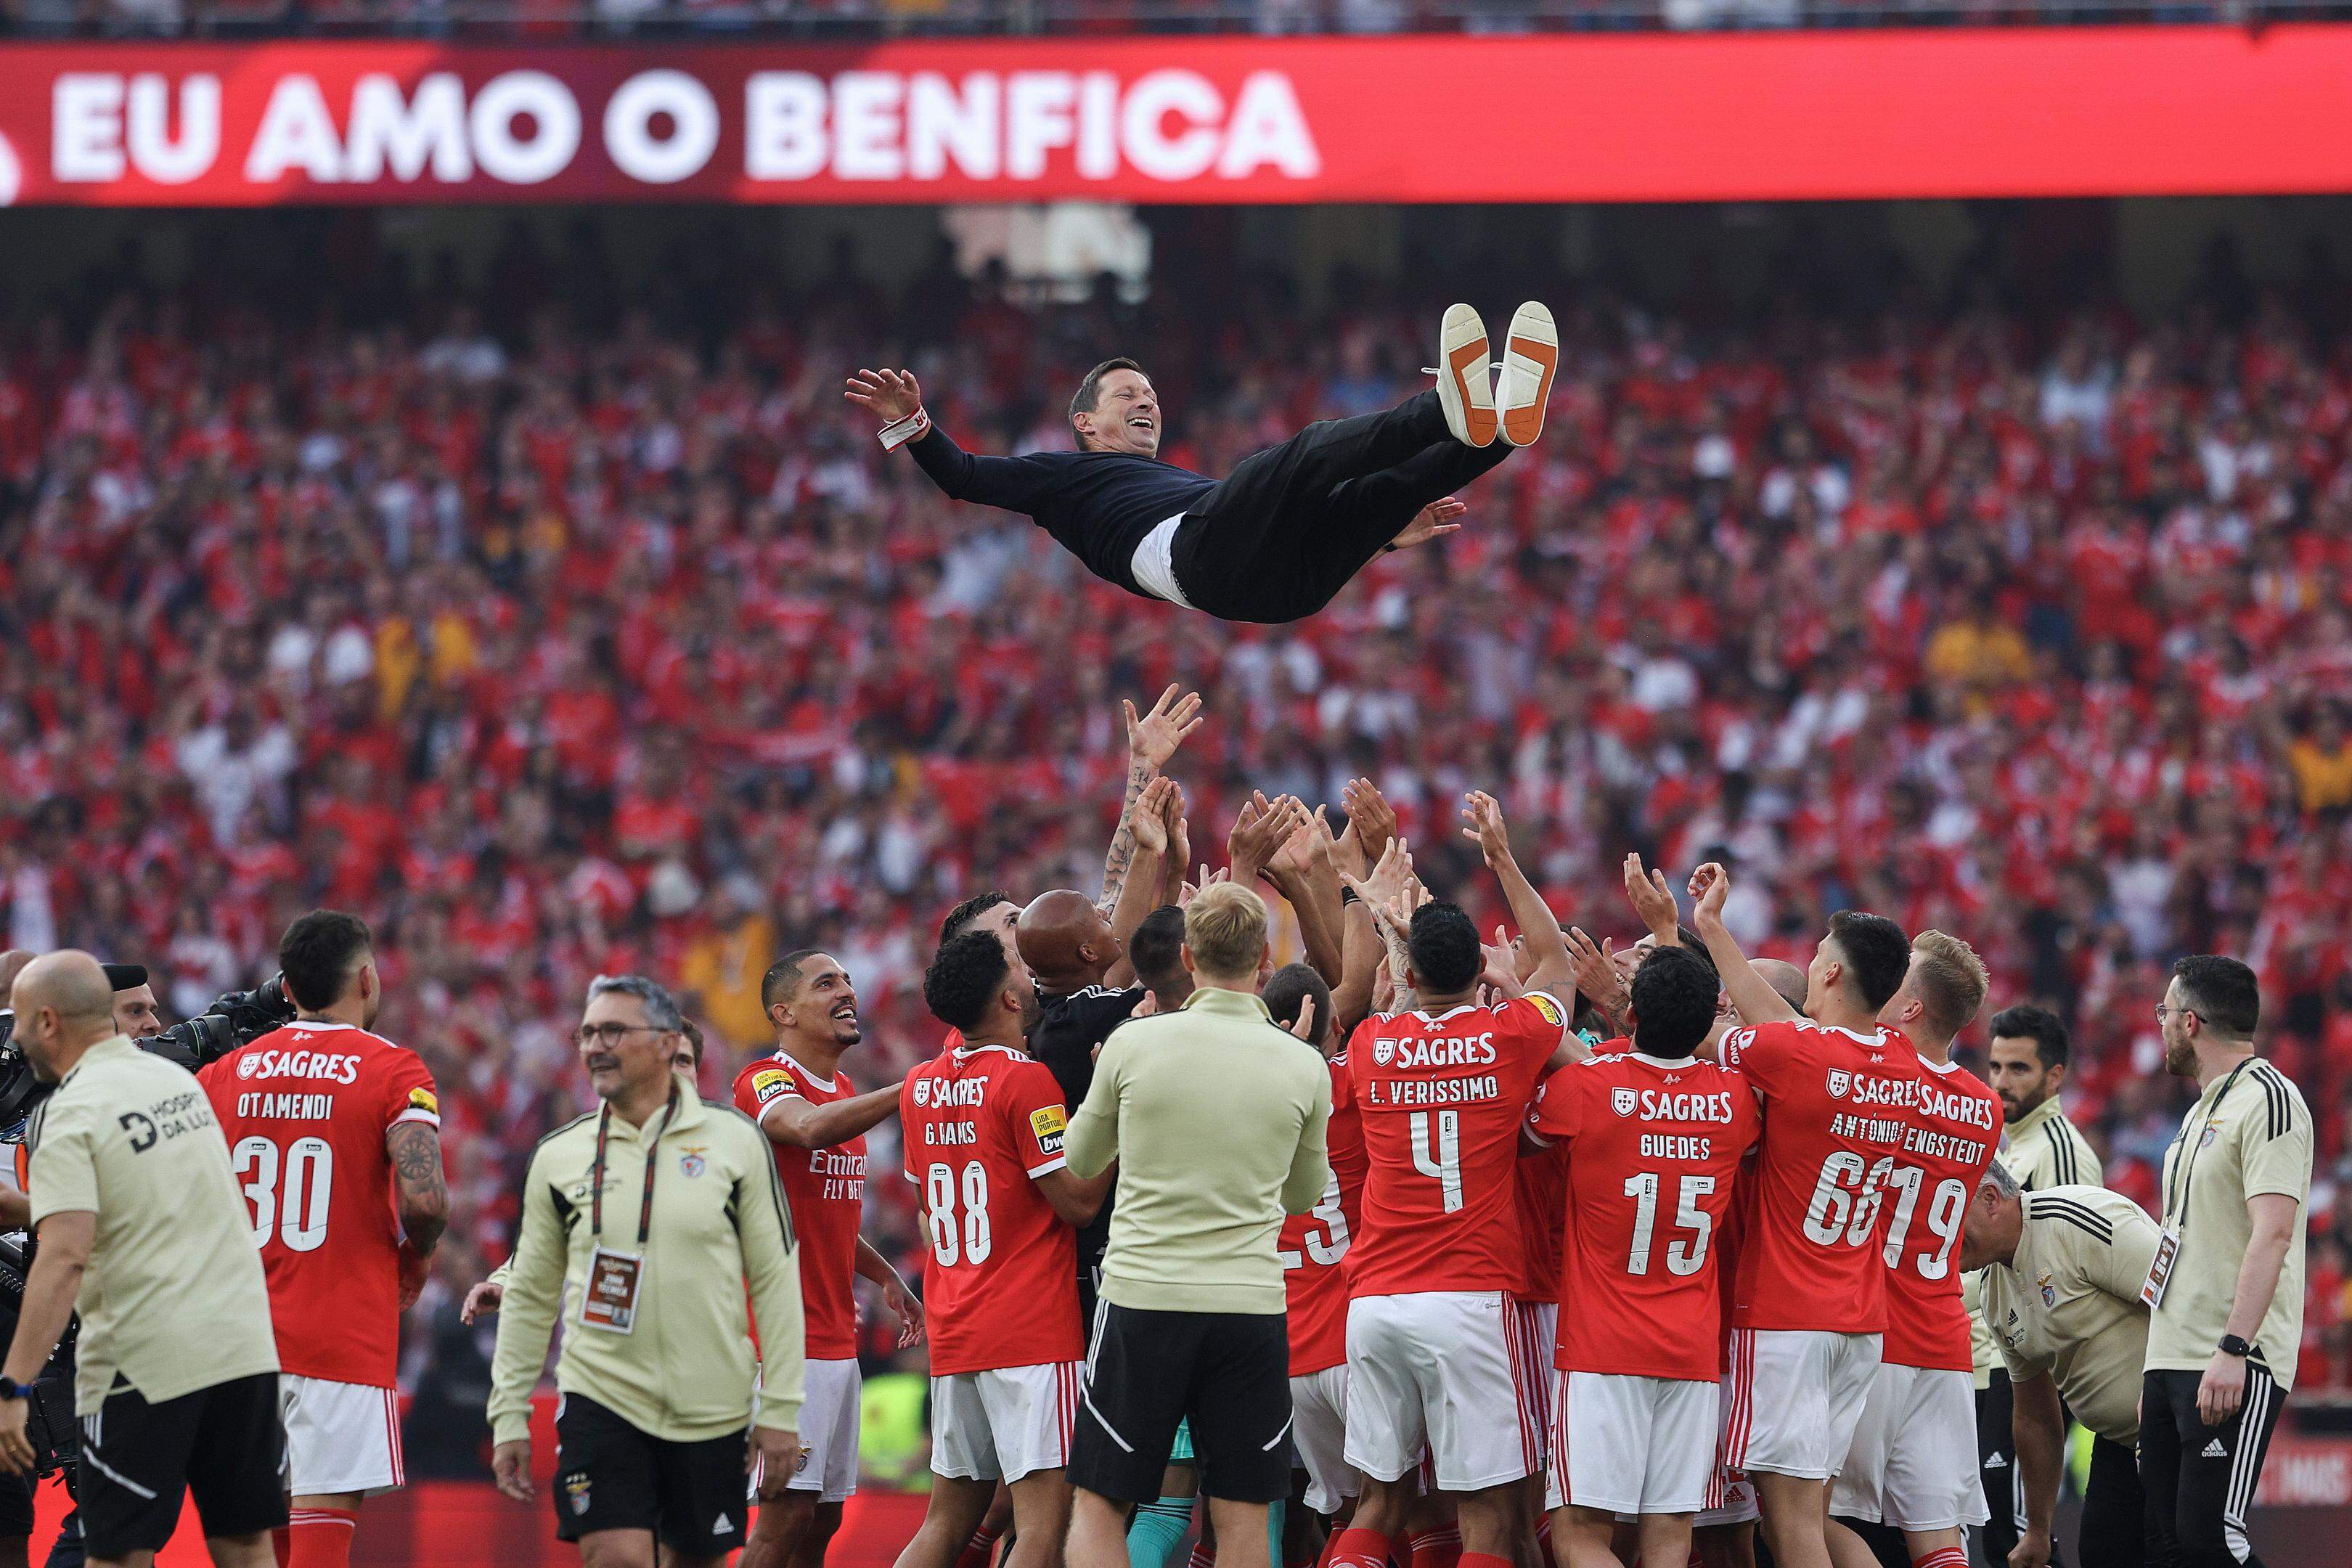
(143, 1227)
(1786, 978)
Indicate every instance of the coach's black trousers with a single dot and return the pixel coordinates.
(2199, 1481)
(1292, 525)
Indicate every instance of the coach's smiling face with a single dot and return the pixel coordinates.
(1125, 417)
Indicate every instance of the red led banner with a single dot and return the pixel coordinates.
(1952, 112)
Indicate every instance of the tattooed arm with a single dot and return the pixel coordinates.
(1151, 739)
(418, 1190)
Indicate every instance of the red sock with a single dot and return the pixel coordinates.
(1945, 1557)
(1353, 1548)
(979, 1548)
(1436, 1548)
(1203, 1556)
(281, 1545)
(322, 1537)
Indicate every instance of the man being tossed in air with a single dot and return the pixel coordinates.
(1277, 538)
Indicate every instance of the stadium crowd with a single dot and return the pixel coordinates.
(602, 642)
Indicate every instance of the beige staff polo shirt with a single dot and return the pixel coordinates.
(174, 1300)
(2249, 1134)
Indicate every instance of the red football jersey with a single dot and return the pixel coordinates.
(1442, 1101)
(1654, 1148)
(305, 1109)
(1000, 1281)
(1836, 1105)
(1955, 1128)
(826, 1191)
(1539, 1189)
(1314, 1246)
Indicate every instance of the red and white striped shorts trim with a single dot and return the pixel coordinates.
(1527, 1391)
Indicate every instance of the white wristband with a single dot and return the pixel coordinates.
(897, 436)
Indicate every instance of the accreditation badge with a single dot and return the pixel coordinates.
(2159, 1269)
(610, 1303)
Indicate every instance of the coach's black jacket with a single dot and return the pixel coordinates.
(1100, 505)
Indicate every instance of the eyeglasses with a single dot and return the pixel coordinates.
(610, 1035)
(2165, 1010)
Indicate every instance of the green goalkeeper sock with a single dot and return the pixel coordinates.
(1159, 1528)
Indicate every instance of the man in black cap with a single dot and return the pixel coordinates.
(135, 1013)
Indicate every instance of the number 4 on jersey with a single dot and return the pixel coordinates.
(1442, 1157)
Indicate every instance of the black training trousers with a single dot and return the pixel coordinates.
(1997, 1466)
(1292, 525)
(2115, 1512)
(2199, 1481)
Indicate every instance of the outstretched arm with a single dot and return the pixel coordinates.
(894, 399)
(1139, 894)
(1750, 991)
(803, 1123)
(1151, 739)
(1539, 927)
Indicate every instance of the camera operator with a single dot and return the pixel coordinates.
(143, 1227)
(135, 1013)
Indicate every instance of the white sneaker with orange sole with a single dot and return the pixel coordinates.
(1465, 381)
(1530, 356)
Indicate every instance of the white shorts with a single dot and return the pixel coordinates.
(1630, 1444)
(1795, 1397)
(828, 1432)
(1913, 1461)
(1003, 1424)
(340, 1436)
(1731, 1500)
(1438, 1372)
(1318, 1429)
(1538, 1337)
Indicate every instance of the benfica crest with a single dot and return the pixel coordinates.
(1622, 1102)
(1840, 1081)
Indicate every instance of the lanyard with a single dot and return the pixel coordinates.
(2189, 1161)
(596, 1172)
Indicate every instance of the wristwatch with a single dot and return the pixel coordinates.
(11, 1389)
(2233, 1345)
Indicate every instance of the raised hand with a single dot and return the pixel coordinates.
(1386, 877)
(1709, 885)
(1147, 819)
(1597, 977)
(888, 395)
(1371, 819)
(1154, 737)
(1432, 521)
(1180, 831)
(1653, 900)
(1298, 854)
(1261, 829)
(1484, 814)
